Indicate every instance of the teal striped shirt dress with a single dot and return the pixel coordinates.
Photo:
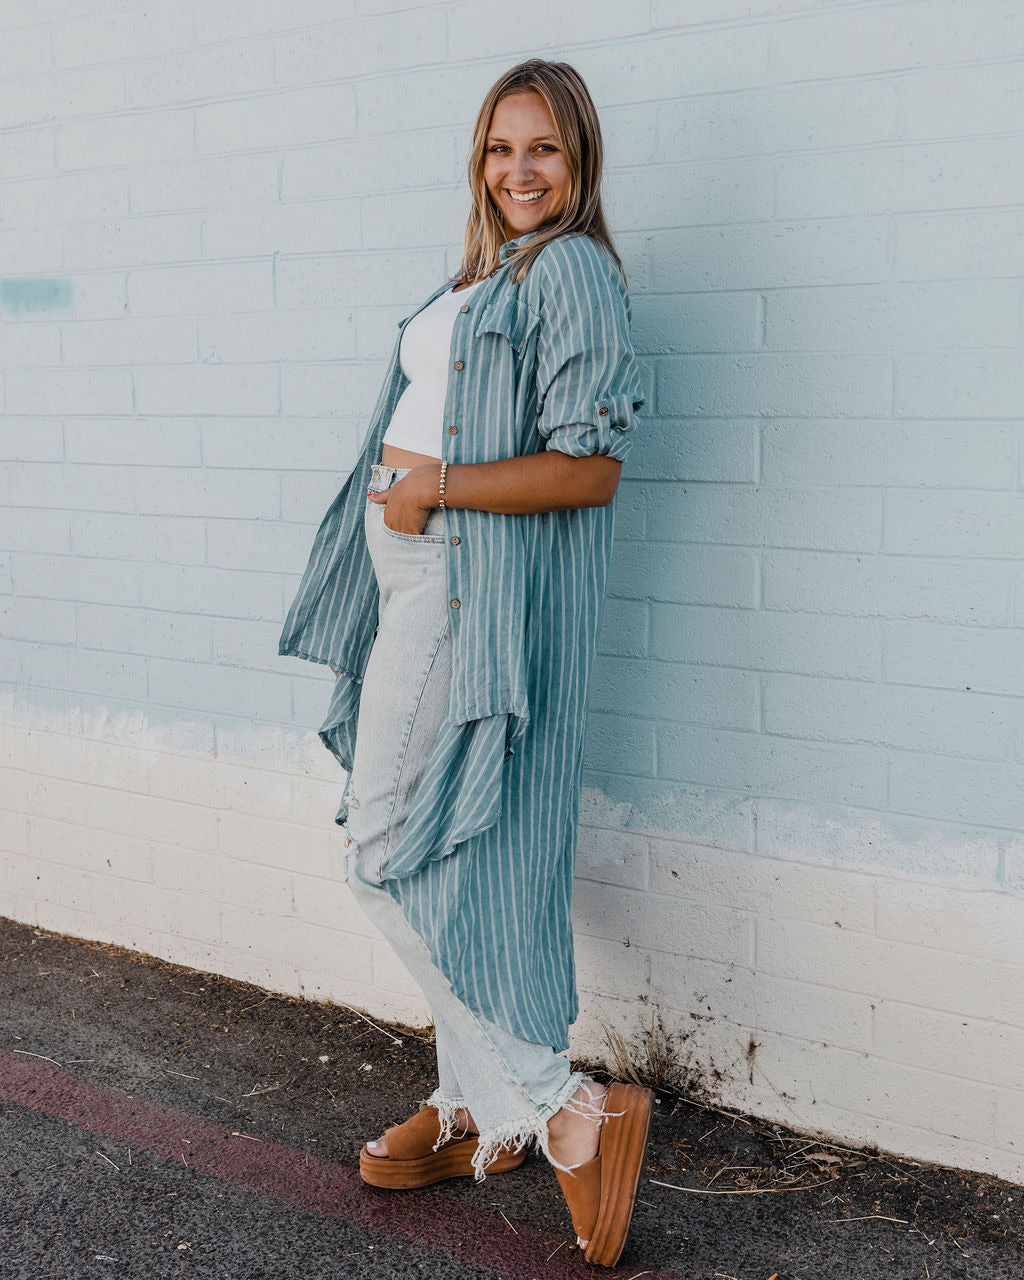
(483, 868)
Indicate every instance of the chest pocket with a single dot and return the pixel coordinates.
(512, 319)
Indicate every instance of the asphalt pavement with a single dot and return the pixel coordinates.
(158, 1123)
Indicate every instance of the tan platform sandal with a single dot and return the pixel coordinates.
(602, 1192)
(411, 1161)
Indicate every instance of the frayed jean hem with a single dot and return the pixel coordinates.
(515, 1134)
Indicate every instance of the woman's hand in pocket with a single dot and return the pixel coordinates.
(409, 501)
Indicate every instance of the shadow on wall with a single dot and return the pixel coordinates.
(635, 693)
(691, 650)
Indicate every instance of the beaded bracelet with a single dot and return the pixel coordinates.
(444, 468)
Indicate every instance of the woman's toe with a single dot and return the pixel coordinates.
(378, 1148)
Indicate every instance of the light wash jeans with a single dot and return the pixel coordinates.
(512, 1087)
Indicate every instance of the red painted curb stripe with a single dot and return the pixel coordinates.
(308, 1182)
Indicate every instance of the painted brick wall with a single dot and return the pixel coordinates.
(804, 799)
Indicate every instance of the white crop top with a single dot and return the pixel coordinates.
(424, 353)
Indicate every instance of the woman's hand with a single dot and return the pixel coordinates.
(410, 500)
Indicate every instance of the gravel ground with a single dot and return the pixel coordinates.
(313, 1081)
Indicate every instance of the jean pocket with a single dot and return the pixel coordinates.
(425, 538)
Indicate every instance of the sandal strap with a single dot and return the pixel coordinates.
(415, 1136)
(582, 1190)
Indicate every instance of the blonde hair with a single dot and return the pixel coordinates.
(579, 133)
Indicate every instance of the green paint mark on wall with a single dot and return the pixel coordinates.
(34, 293)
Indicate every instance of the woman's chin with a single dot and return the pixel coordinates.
(525, 224)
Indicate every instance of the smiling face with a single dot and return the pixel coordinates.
(525, 167)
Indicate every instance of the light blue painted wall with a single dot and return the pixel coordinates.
(213, 216)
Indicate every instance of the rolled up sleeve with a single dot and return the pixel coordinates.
(588, 382)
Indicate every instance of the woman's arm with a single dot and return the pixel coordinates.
(532, 482)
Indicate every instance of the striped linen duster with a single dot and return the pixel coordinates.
(483, 868)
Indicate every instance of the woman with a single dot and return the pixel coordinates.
(458, 604)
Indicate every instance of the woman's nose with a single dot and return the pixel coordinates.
(521, 169)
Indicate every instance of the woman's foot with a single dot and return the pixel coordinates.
(573, 1138)
(412, 1154)
(463, 1124)
(601, 1192)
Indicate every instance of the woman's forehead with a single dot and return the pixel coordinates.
(522, 110)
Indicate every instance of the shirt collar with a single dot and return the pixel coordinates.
(510, 246)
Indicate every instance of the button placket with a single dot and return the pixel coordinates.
(453, 431)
